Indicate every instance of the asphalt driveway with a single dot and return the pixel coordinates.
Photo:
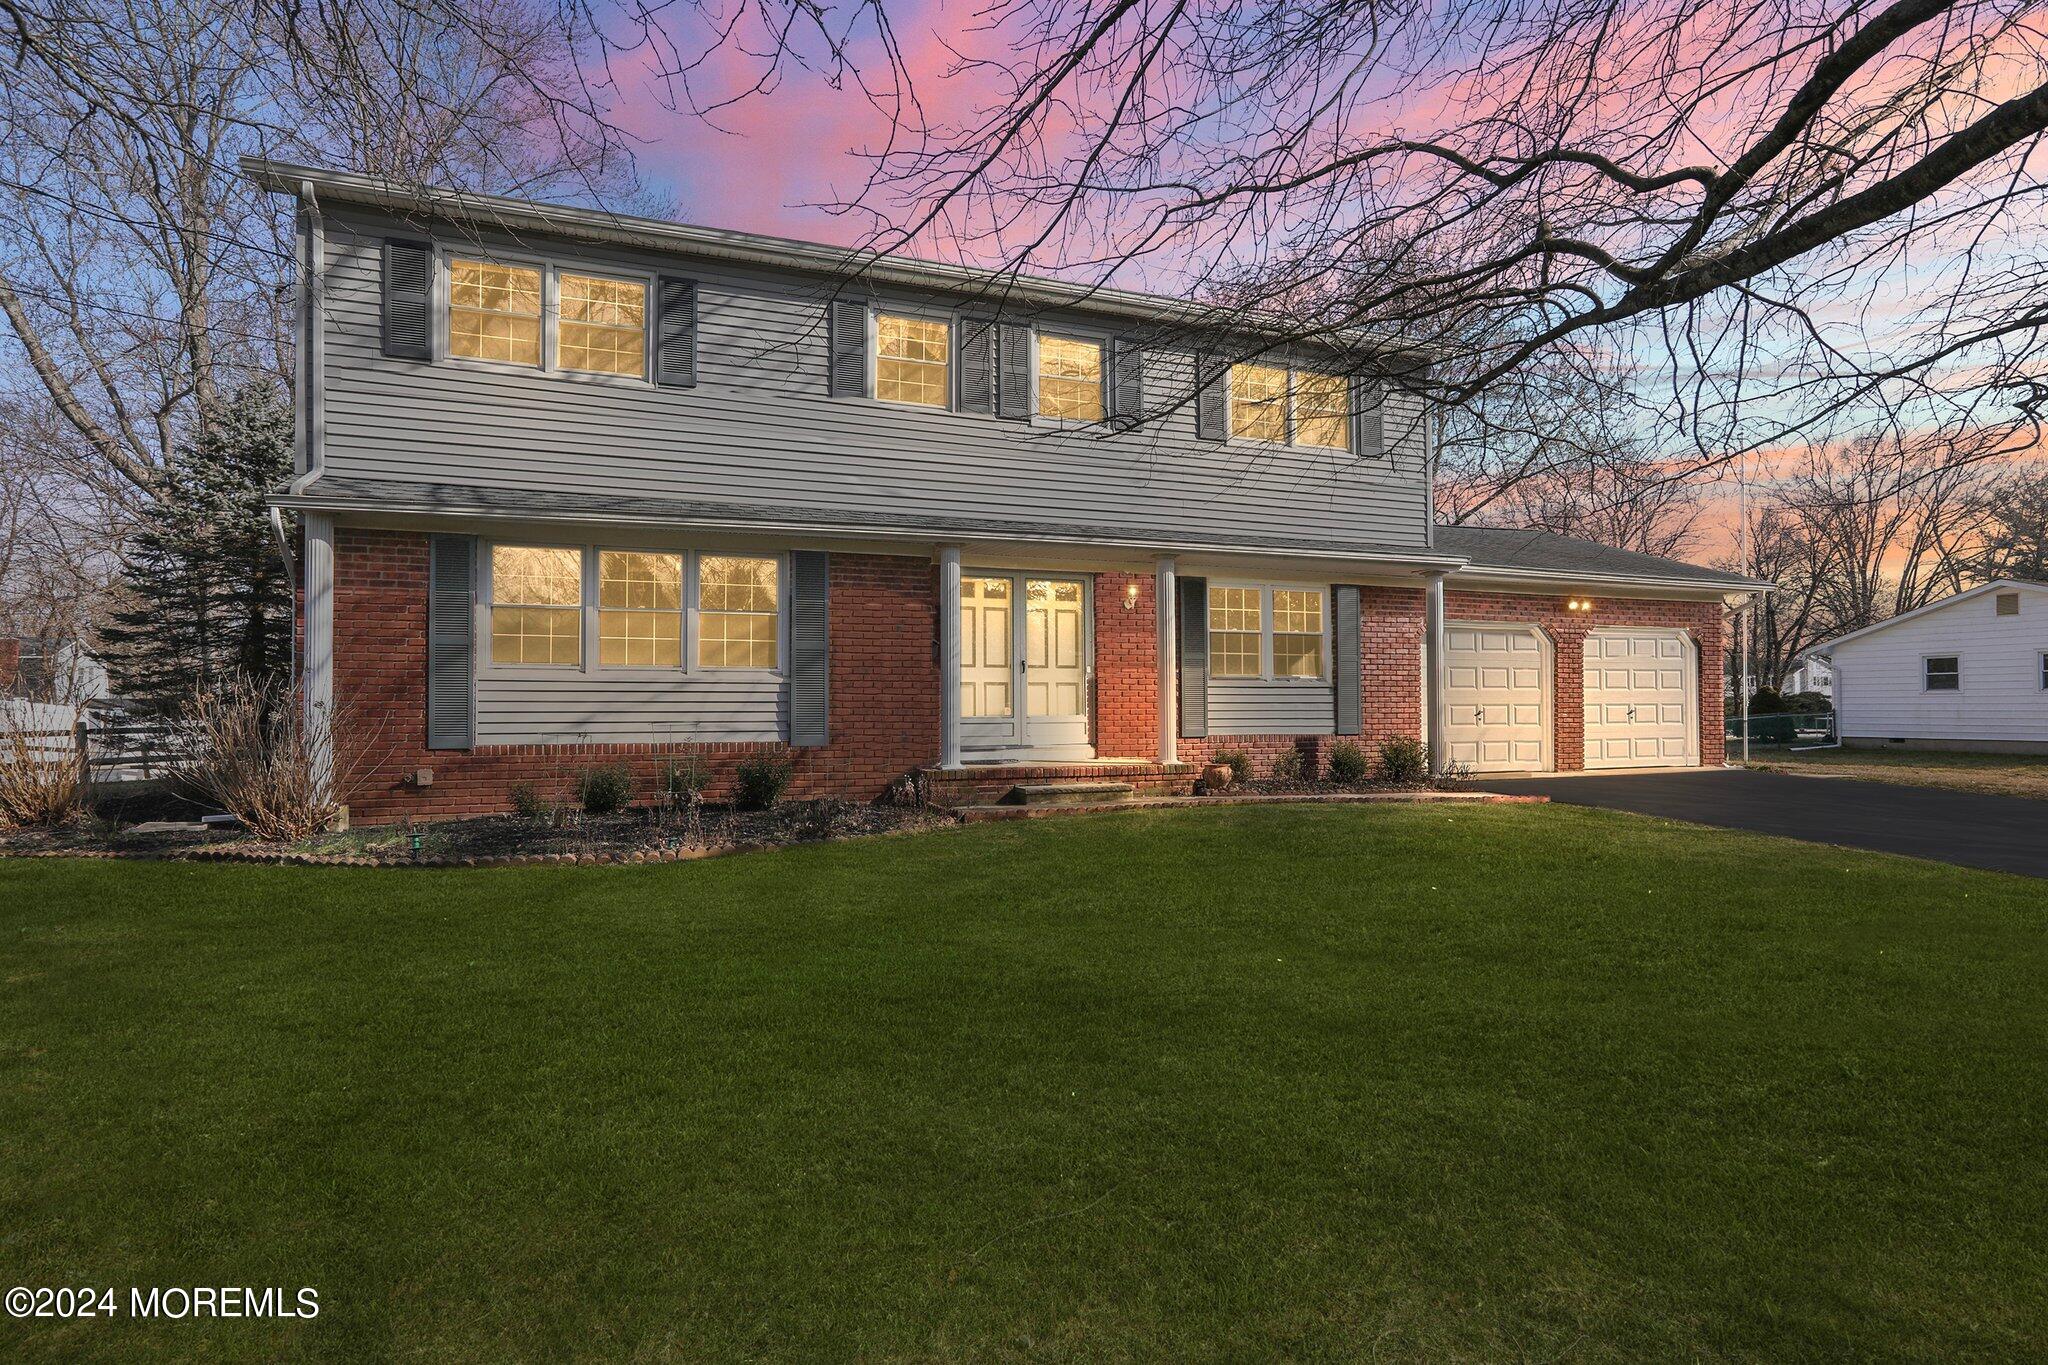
(1973, 829)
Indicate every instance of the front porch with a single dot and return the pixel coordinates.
(995, 782)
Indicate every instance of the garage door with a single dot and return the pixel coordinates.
(1496, 696)
(1639, 700)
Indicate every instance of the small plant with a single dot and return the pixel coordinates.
(1347, 763)
(1289, 767)
(683, 783)
(604, 790)
(1238, 761)
(760, 782)
(910, 792)
(528, 803)
(1403, 761)
(38, 785)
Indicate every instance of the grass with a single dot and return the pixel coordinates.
(2005, 774)
(1252, 1083)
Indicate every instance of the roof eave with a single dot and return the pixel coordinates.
(1705, 586)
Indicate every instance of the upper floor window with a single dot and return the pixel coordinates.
(1942, 673)
(1290, 406)
(604, 325)
(1257, 632)
(1069, 378)
(639, 609)
(536, 605)
(737, 607)
(913, 360)
(494, 312)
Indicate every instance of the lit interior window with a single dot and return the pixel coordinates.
(494, 312)
(1322, 410)
(603, 327)
(1234, 632)
(736, 612)
(536, 605)
(1258, 402)
(1069, 379)
(639, 609)
(912, 360)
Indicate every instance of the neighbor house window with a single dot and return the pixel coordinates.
(737, 614)
(494, 312)
(603, 328)
(1234, 625)
(536, 605)
(639, 609)
(913, 360)
(2044, 670)
(1297, 633)
(1258, 402)
(1944, 673)
(1290, 407)
(1069, 379)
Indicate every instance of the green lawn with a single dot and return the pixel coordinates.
(2006, 774)
(1490, 1083)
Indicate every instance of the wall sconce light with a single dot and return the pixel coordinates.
(1579, 604)
(1131, 596)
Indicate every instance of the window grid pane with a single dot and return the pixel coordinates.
(494, 312)
(537, 635)
(1258, 402)
(738, 612)
(912, 360)
(639, 639)
(604, 326)
(537, 575)
(1322, 411)
(1944, 674)
(1297, 656)
(640, 602)
(1070, 379)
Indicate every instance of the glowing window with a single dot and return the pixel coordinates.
(1258, 402)
(536, 605)
(639, 609)
(603, 327)
(1069, 379)
(737, 612)
(1234, 627)
(1322, 410)
(494, 312)
(1297, 633)
(913, 361)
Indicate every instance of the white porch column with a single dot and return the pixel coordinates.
(316, 677)
(1436, 715)
(949, 656)
(1163, 605)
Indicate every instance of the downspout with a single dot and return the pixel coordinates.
(312, 359)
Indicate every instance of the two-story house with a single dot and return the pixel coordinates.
(582, 489)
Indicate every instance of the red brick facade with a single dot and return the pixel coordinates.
(885, 684)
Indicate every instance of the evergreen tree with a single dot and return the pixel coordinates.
(207, 595)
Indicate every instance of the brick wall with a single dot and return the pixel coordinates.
(1126, 667)
(884, 693)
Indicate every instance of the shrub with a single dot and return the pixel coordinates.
(1765, 701)
(1403, 761)
(1237, 760)
(1289, 767)
(39, 783)
(684, 781)
(760, 782)
(604, 790)
(249, 749)
(528, 803)
(1347, 762)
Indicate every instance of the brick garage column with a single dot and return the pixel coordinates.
(1126, 665)
(1568, 636)
(1390, 631)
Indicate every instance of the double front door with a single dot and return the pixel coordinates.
(1024, 666)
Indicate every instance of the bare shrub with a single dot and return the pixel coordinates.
(249, 749)
(39, 784)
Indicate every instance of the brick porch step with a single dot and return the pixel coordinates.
(1069, 793)
(988, 784)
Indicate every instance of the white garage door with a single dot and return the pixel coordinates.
(1639, 700)
(1496, 695)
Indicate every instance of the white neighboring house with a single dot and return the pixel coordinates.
(1967, 672)
(1810, 675)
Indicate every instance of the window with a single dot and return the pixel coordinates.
(1234, 625)
(2044, 670)
(1322, 410)
(1297, 633)
(536, 605)
(737, 612)
(494, 312)
(1069, 379)
(913, 360)
(639, 609)
(603, 326)
(1944, 673)
(1258, 402)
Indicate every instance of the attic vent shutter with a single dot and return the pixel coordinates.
(1368, 428)
(675, 336)
(2007, 604)
(977, 365)
(1013, 357)
(1127, 381)
(1194, 658)
(1212, 398)
(1347, 664)
(451, 642)
(408, 299)
(849, 377)
(810, 654)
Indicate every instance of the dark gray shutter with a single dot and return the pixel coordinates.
(1127, 381)
(675, 333)
(451, 642)
(1212, 398)
(1368, 428)
(408, 299)
(849, 377)
(1194, 657)
(810, 653)
(1013, 365)
(1345, 667)
(977, 365)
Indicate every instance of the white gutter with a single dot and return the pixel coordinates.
(1476, 573)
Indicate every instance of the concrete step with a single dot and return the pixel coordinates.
(1069, 793)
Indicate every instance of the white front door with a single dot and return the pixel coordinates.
(1639, 700)
(1497, 697)
(1024, 675)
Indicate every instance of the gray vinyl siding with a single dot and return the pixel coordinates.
(580, 708)
(1245, 706)
(759, 427)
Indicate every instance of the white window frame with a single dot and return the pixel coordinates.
(952, 385)
(1102, 340)
(590, 667)
(1294, 371)
(1926, 659)
(551, 268)
(1265, 591)
(2042, 659)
